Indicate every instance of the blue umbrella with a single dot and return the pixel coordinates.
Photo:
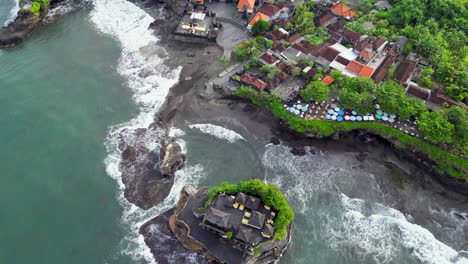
(379, 112)
(328, 117)
(339, 118)
(354, 112)
(341, 112)
(352, 118)
(359, 118)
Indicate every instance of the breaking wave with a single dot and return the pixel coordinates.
(142, 64)
(218, 132)
(369, 231)
(13, 13)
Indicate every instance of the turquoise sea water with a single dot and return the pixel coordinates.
(59, 93)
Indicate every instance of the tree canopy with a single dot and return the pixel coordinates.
(260, 27)
(436, 127)
(315, 91)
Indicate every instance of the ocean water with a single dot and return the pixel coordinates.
(93, 71)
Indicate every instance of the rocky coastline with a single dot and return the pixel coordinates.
(23, 26)
(192, 101)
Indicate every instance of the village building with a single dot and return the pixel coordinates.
(336, 26)
(383, 4)
(379, 44)
(343, 11)
(256, 17)
(355, 69)
(325, 20)
(246, 6)
(253, 82)
(328, 80)
(351, 37)
(381, 71)
(197, 25)
(405, 72)
(247, 217)
(268, 59)
(401, 43)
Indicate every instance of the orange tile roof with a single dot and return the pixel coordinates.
(249, 3)
(366, 71)
(343, 10)
(355, 67)
(257, 17)
(328, 80)
(366, 54)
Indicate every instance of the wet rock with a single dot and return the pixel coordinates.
(164, 245)
(275, 141)
(298, 151)
(171, 157)
(362, 156)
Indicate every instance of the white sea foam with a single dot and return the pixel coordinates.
(218, 131)
(141, 63)
(366, 229)
(13, 13)
(375, 230)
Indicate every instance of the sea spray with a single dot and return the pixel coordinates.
(218, 132)
(150, 80)
(368, 231)
(13, 13)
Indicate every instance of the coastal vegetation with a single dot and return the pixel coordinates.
(436, 29)
(270, 195)
(446, 162)
(260, 27)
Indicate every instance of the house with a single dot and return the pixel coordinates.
(304, 46)
(382, 70)
(282, 76)
(401, 43)
(351, 36)
(336, 36)
(269, 10)
(339, 63)
(336, 26)
(257, 17)
(366, 55)
(292, 39)
(276, 35)
(246, 5)
(356, 68)
(383, 4)
(328, 80)
(325, 20)
(343, 11)
(379, 44)
(405, 72)
(419, 92)
(368, 25)
(254, 82)
(361, 45)
(327, 56)
(268, 59)
(439, 99)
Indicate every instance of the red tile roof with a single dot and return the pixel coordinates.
(376, 44)
(353, 36)
(337, 25)
(328, 80)
(257, 17)
(249, 4)
(293, 38)
(324, 19)
(366, 71)
(282, 75)
(269, 10)
(405, 71)
(330, 54)
(257, 83)
(304, 46)
(366, 54)
(360, 69)
(343, 10)
(268, 58)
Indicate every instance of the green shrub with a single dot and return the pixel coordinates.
(446, 162)
(256, 251)
(229, 234)
(35, 8)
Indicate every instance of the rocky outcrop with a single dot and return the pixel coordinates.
(20, 29)
(164, 245)
(146, 182)
(171, 157)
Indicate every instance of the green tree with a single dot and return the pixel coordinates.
(260, 27)
(426, 82)
(360, 102)
(315, 91)
(288, 26)
(271, 71)
(361, 84)
(459, 118)
(338, 77)
(436, 127)
(390, 95)
(35, 8)
(296, 71)
(246, 49)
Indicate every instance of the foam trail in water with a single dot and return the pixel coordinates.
(150, 80)
(369, 230)
(13, 13)
(218, 131)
